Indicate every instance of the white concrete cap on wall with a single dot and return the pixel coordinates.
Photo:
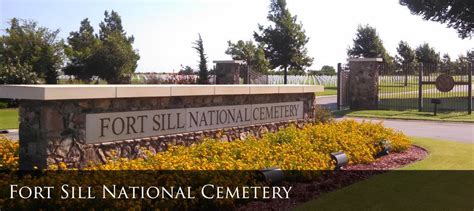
(69, 92)
(365, 60)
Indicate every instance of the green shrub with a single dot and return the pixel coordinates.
(322, 115)
(17, 74)
(3, 105)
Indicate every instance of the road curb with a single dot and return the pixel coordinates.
(403, 119)
(6, 131)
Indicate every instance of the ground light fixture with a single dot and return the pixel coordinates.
(272, 175)
(386, 147)
(340, 158)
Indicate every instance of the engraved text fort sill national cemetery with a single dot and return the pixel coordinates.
(104, 127)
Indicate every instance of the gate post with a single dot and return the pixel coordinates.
(339, 70)
(469, 92)
(363, 82)
(420, 88)
(228, 71)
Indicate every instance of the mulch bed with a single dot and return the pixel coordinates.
(333, 180)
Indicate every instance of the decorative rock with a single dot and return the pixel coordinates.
(101, 155)
(74, 154)
(63, 148)
(224, 138)
(126, 151)
(152, 150)
(51, 118)
(89, 155)
(102, 104)
(243, 135)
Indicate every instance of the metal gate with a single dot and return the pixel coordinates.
(343, 93)
(423, 86)
(251, 76)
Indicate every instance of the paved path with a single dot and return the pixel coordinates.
(461, 132)
(12, 134)
(329, 102)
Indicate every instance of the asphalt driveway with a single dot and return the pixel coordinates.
(462, 132)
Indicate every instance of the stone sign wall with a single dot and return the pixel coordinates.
(80, 131)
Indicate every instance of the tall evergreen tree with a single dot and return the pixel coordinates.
(81, 46)
(203, 71)
(284, 41)
(427, 54)
(367, 44)
(116, 59)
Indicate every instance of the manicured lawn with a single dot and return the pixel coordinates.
(417, 189)
(328, 90)
(8, 118)
(444, 155)
(409, 114)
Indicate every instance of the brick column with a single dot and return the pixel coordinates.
(363, 82)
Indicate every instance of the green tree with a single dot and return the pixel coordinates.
(458, 14)
(426, 54)
(112, 24)
(285, 41)
(446, 59)
(203, 71)
(27, 44)
(328, 70)
(367, 44)
(17, 74)
(115, 60)
(325, 70)
(186, 70)
(407, 58)
(247, 51)
(406, 55)
(462, 62)
(470, 56)
(447, 64)
(81, 47)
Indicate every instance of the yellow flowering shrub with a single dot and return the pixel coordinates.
(289, 149)
(8, 153)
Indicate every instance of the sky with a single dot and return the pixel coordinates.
(165, 30)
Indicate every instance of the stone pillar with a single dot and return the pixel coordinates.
(363, 82)
(228, 72)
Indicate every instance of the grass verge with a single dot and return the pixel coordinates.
(409, 114)
(9, 118)
(328, 90)
(421, 188)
